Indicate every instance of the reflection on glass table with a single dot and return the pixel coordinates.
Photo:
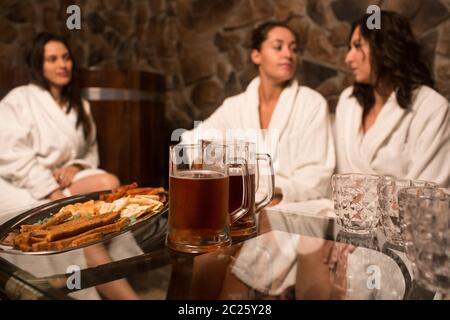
(294, 256)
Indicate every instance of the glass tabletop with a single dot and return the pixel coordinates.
(295, 255)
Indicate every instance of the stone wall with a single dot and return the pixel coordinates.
(202, 46)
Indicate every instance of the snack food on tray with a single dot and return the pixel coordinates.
(84, 222)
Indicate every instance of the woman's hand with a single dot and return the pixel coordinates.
(336, 251)
(336, 260)
(322, 272)
(64, 176)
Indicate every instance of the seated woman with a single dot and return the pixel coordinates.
(47, 135)
(49, 148)
(288, 121)
(391, 121)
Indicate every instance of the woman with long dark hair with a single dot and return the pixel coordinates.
(392, 121)
(47, 134)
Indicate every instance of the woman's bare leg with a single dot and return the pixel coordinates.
(98, 255)
(115, 290)
(98, 182)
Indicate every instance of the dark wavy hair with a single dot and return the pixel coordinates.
(259, 34)
(70, 92)
(396, 60)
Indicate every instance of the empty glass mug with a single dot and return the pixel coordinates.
(390, 213)
(199, 218)
(356, 204)
(427, 234)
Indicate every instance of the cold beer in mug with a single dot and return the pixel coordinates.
(199, 207)
(246, 226)
(199, 215)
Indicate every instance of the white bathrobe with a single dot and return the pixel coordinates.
(299, 137)
(404, 144)
(36, 137)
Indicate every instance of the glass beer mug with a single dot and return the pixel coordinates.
(245, 226)
(199, 218)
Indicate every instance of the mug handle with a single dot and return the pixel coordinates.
(270, 181)
(245, 205)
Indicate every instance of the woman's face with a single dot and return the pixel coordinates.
(358, 57)
(278, 55)
(57, 66)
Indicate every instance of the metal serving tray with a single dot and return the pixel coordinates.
(44, 211)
